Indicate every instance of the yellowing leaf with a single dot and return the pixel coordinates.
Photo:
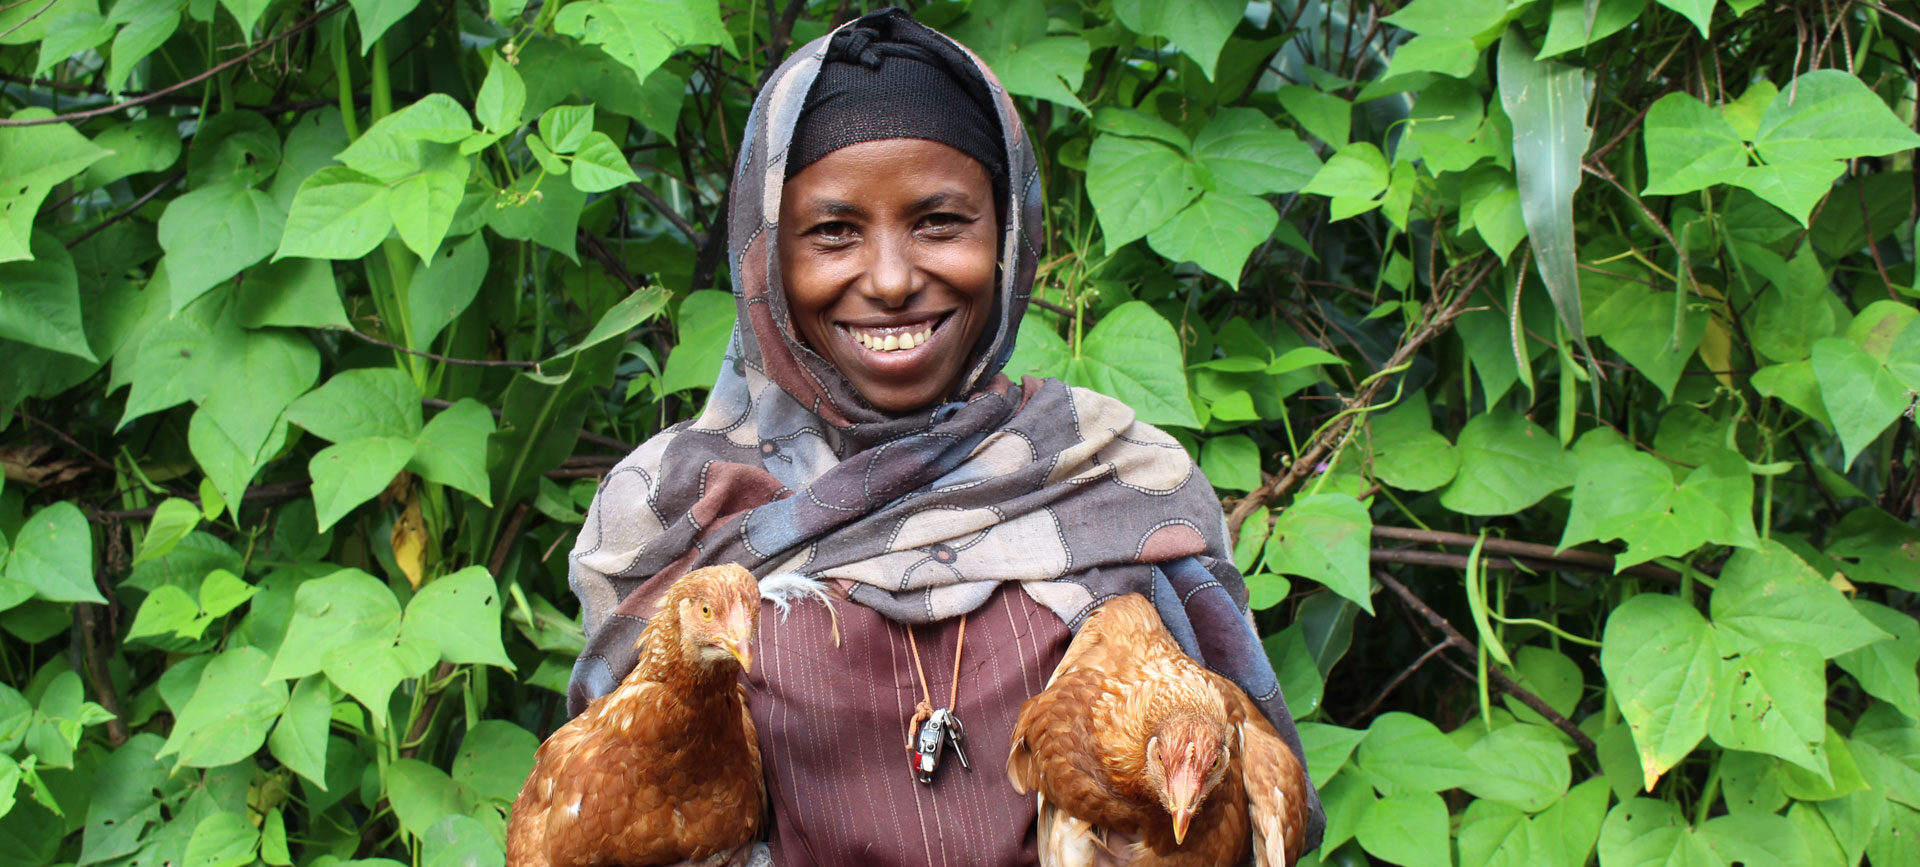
(410, 541)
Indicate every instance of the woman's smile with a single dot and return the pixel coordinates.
(888, 250)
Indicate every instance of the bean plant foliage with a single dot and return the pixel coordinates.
(1555, 361)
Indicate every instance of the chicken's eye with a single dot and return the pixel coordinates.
(706, 612)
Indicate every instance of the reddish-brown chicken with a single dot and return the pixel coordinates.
(665, 768)
(1141, 756)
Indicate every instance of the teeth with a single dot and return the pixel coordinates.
(892, 342)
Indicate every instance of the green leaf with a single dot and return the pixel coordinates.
(1407, 452)
(337, 214)
(1353, 177)
(167, 610)
(565, 127)
(33, 159)
(67, 35)
(1323, 115)
(705, 321)
(1324, 537)
(1506, 464)
(460, 841)
(1756, 840)
(421, 794)
(369, 670)
(1861, 395)
(53, 554)
(1136, 185)
(1662, 664)
(1549, 674)
(1646, 833)
(1770, 700)
(226, 466)
(1049, 68)
(296, 294)
(423, 204)
(460, 613)
(172, 521)
(1463, 19)
(231, 709)
(1411, 755)
(149, 24)
(1769, 595)
(237, 147)
(260, 382)
(1568, 27)
(213, 233)
(299, 739)
(1496, 835)
(642, 34)
(41, 302)
(502, 96)
(1218, 232)
(1829, 114)
(1231, 462)
(246, 13)
(550, 219)
(222, 839)
(376, 16)
(1133, 355)
(1890, 743)
(134, 147)
(452, 448)
(1496, 211)
(1328, 747)
(353, 472)
(1407, 828)
(1793, 187)
(494, 760)
(600, 166)
(361, 403)
(1246, 153)
(1547, 102)
(1689, 147)
(1522, 765)
(1791, 315)
(1886, 669)
(1292, 663)
(1199, 28)
(441, 292)
(344, 607)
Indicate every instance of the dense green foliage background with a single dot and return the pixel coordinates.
(1555, 360)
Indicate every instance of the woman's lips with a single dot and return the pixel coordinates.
(892, 338)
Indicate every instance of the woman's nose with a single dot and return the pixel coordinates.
(892, 278)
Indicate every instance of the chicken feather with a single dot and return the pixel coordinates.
(1131, 735)
(666, 768)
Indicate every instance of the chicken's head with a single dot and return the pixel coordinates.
(1186, 757)
(718, 609)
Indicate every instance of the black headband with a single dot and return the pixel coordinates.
(889, 76)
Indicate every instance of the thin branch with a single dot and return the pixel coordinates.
(25, 21)
(127, 211)
(585, 436)
(1572, 558)
(1304, 463)
(1461, 643)
(103, 463)
(154, 96)
(698, 237)
(1400, 678)
(465, 362)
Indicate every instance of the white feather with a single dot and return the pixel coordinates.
(788, 587)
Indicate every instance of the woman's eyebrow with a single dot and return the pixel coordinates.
(835, 208)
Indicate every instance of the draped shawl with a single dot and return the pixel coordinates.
(923, 515)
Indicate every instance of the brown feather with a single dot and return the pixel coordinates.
(1082, 745)
(666, 768)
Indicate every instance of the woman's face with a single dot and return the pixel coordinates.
(888, 250)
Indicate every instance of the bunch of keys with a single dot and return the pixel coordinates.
(941, 726)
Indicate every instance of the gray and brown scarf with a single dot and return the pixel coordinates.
(924, 515)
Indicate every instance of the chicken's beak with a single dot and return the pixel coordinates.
(742, 651)
(1181, 819)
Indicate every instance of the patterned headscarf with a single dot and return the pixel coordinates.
(787, 470)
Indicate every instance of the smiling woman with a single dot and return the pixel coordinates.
(888, 250)
(863, 435)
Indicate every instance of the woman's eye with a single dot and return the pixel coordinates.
(947, 223)
(832, 231)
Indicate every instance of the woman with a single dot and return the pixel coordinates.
(884, 215)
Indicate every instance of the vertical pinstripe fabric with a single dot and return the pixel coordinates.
(832, 724)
